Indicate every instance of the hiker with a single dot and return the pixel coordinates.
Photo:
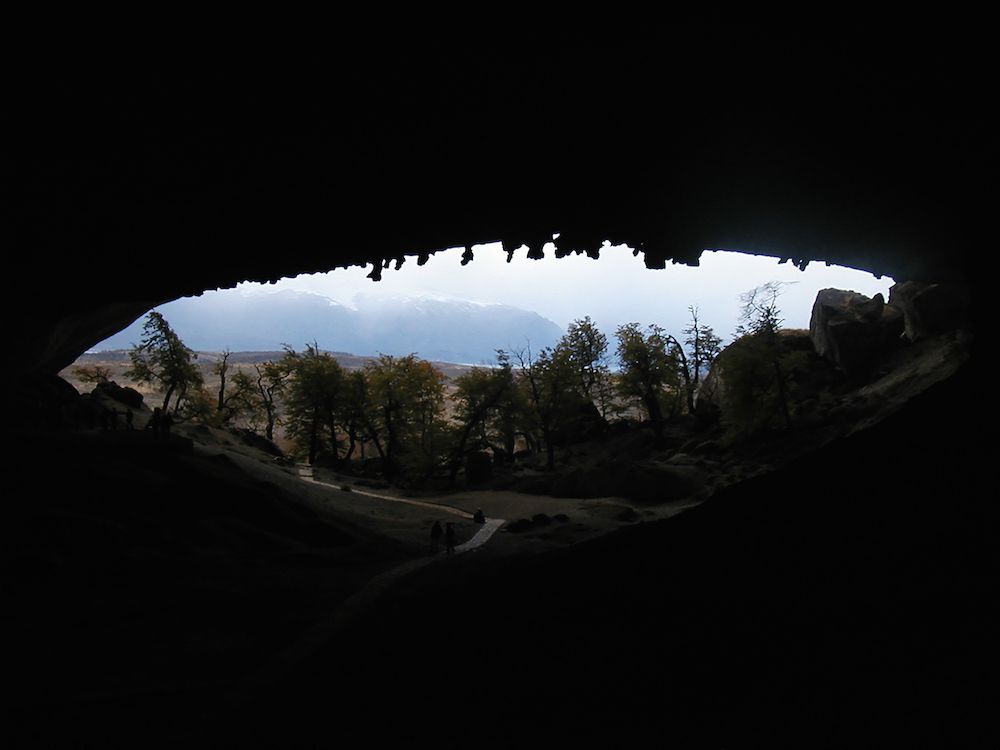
(156, 422)
(436, 532)
(449, 538)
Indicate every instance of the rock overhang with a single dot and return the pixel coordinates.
(176, 176)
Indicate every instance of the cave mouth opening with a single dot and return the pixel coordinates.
(612, 287)
(469, 310)
(228, 536)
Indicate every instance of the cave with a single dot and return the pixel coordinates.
(851, 593)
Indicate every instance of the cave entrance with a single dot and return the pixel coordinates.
(466, 313)
(351, 486)
(549, 293)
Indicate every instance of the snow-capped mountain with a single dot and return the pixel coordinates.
(434, 327)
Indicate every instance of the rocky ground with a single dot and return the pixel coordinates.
(697, 458)
(128, 607)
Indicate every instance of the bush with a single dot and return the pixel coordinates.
(522, 524)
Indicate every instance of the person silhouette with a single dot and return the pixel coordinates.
(436, 532)
(478, 516)
(156, 422)
(129, 416)
(449, 538)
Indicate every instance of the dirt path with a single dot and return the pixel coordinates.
(478, 539)
(323, 631)
(306, 473)
(406, 519)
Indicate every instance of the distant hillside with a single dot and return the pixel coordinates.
(442, 329)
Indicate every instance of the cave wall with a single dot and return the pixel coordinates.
(143, 172)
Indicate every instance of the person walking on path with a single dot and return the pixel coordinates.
(449, 538)
(436, 532)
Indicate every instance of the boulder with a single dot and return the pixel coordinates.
(521, 524)
(123, 395)
(852, 330)
(930, 309)
(655, 482)
(708, 398)
(582, 423)
(746, 367)
(252, 439)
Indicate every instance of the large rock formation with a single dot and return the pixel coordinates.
(852, 330)
(815, 596)
(225, 164)
(930, 309)
(128, 397)
(715, 391)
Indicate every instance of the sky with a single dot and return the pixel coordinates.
(614, 290)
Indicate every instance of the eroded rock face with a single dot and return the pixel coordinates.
(852, 330)
(231, 167)
(930, 309)
(127, 396)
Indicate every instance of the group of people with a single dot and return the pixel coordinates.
(448, 532)
(160, 423)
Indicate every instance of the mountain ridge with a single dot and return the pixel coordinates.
(433, 327)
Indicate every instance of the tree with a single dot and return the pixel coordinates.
(406, 397)
(242, 403)
(92, 374)
(162, 360)
(549, 382)
(759, 312)
(312, 402)
(649, 370)
(701, 347)
(760, 320)
(272, 378)
(486, 410)
(221, 369)
(755, 370)
(200, 406)
(236, 397)
(585, 349)
(355, 413)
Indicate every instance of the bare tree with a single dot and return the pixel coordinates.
(701, 347)
(761, 319)
(272, 378)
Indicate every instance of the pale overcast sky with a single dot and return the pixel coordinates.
(614, 290)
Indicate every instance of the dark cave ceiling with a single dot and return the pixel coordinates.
(143, 173)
